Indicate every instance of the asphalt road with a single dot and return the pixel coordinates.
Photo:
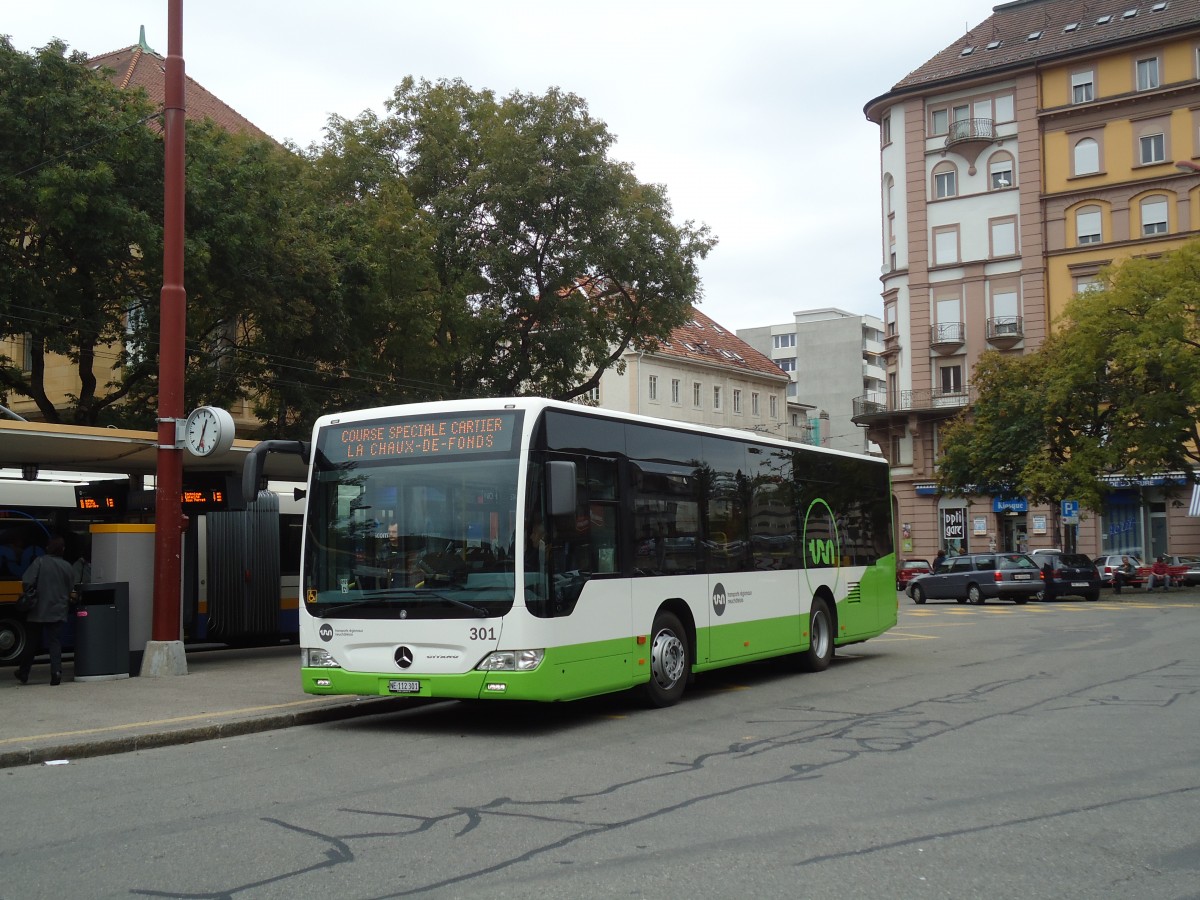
(1049, 750)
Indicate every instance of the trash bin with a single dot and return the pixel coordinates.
(102, 632)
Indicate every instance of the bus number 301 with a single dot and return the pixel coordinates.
(483, 634)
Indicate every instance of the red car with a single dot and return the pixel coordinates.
(908, 569)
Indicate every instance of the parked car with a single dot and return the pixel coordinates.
(979, 577)
(1067, 574)
(908, 569)
(1106, 565)
(1184, 569)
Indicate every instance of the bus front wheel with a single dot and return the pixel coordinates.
(669, 661)
(820, 631)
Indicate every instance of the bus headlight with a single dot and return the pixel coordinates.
(316, 658)
(512, 661)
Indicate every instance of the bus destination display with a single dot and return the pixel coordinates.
(419, 438)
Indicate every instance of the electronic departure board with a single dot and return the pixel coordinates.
(102, 497)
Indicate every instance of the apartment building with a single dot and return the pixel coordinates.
(705, 374)
(1014, 164)
(831, 357)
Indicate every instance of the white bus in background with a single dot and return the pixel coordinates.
(241, 568)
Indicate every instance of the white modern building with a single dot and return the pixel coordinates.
(831, 356)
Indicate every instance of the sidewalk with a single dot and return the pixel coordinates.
(225, 693)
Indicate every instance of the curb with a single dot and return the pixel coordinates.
(83, 749)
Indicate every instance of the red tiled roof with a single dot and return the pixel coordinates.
(704, 340)
(1005, 39)
(138, 66)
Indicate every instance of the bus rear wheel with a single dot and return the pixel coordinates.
(12, 639)
(820, 631)
(669, 661)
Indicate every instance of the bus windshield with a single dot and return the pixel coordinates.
(411, 540)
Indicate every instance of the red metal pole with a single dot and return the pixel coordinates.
(168, 544)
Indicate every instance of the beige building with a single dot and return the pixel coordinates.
(705, 374)
(1015, 163)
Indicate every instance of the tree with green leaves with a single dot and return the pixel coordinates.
(546, 259)
(80, 199)
(1114, 390)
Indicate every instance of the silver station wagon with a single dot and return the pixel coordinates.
(979, 577)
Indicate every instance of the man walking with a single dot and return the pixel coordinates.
(53, 578)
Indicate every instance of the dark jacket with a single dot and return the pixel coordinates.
(54, 579)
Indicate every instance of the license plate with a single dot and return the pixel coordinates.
(1079, 584)
(1021, 577)
(404, 687)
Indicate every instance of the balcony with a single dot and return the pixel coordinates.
(1005, 332)
(878, 406)
(968, 137)
(947, 337)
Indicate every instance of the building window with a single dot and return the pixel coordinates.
(590, 397)
(737, 402)
(716, 397)
(1152, 148)
(675, 391)
(1087, 157)
(696, 394)
(1147, 74)
(945, 245)
(1005, 109)
(652, 387)
(1000, 172)
(885, 131)
(754, 410)
(1154, 215)
(894, 459)
(788, 364)
(785, 340)
(774, 407)
(1081, 87)
(1004, 307)
(939, 121)
(945, 181)
(890, 318)
(1088, 225)
(1004, 236)
(950, 378)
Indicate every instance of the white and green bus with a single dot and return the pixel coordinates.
(535, 550)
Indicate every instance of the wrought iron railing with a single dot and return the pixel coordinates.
(970, 130)
(1005, 327)
(880, 404)
(947, 333)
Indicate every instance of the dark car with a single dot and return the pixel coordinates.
(1067, 575)
(908, 569)
(979, 577)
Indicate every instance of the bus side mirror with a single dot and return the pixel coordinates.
(560, 488)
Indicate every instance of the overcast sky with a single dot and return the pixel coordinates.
(750, 113)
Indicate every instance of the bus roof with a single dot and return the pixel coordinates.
(536, 405)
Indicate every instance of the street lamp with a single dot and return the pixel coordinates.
(1186, 165)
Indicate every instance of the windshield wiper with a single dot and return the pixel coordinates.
(400, 593)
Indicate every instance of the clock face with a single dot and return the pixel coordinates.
(207, 430)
